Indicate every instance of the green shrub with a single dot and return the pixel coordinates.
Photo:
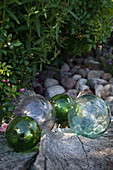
(88, 23)
(35, 32)
(107, 62)
(29, 37)
(14, 71)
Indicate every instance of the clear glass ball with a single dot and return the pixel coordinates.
(89, 116)
(38, 108)
(61, 103)
(23, 133)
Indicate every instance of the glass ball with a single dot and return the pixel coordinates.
(38, 108)
(23, 133)
(61, 103)
(89, 116)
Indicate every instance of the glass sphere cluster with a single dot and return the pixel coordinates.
(88, 116)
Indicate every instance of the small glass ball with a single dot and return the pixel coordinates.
(61, 103)
(89, 116)
(38, 108)
(23, 133)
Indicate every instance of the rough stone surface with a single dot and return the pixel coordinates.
(106, 91)
(46, 74)
(67, 82)
(95, 74)
(84, 87)
(109, 101)
(101, 81)
(76, 77)
(11, 160)
(66, 73)
(83, 72)
(92, 82)
(38, 88)
(80, 82)
(65, 70)
(73, 93)
(86, 60)
(106, 76)
(64, 150)
(58, 76)
(50, 82)
(75, 69)
(111, 81)
(79, 60)
(54, 90)
(97, 89)
(95, 65)
(65, 67)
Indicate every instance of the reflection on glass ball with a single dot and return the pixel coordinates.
(38, 108)
(89, 116)
(23, 133)
(61, 103)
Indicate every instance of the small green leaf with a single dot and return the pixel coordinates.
(9, 37)
(4, 33)
(42, 39)
(16, 43)
(8, 66)
(13, 15)
(38, 26)
(14, 89)
(8, 88)
(18, 93)
(1, 5)
(4, 52)
(4, 64)
(5, 104)
(57, 31)
(26, 63)
(18, 72)
(72, 13)
(41, 66)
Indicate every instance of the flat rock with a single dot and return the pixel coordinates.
(95, 65)
(95, 74)
(111, 81)
(64, 150)
(11, 160)
(76, 77)
(83, 72)
(97, 89)
(54, 90)
(84, 87)
(67, 82)
(109, 101)
(106, 76)
(106, 91)
(73, 93)
(65, 67)
(50, 82)
(81, 82)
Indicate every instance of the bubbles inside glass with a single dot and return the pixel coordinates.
(89, 116)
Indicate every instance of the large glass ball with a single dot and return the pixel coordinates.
(23, 133)
(61, 103)
(38, 108)
(89, 116)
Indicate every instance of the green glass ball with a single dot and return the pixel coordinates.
(61, 103)
(89, 116)
(23, 133)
